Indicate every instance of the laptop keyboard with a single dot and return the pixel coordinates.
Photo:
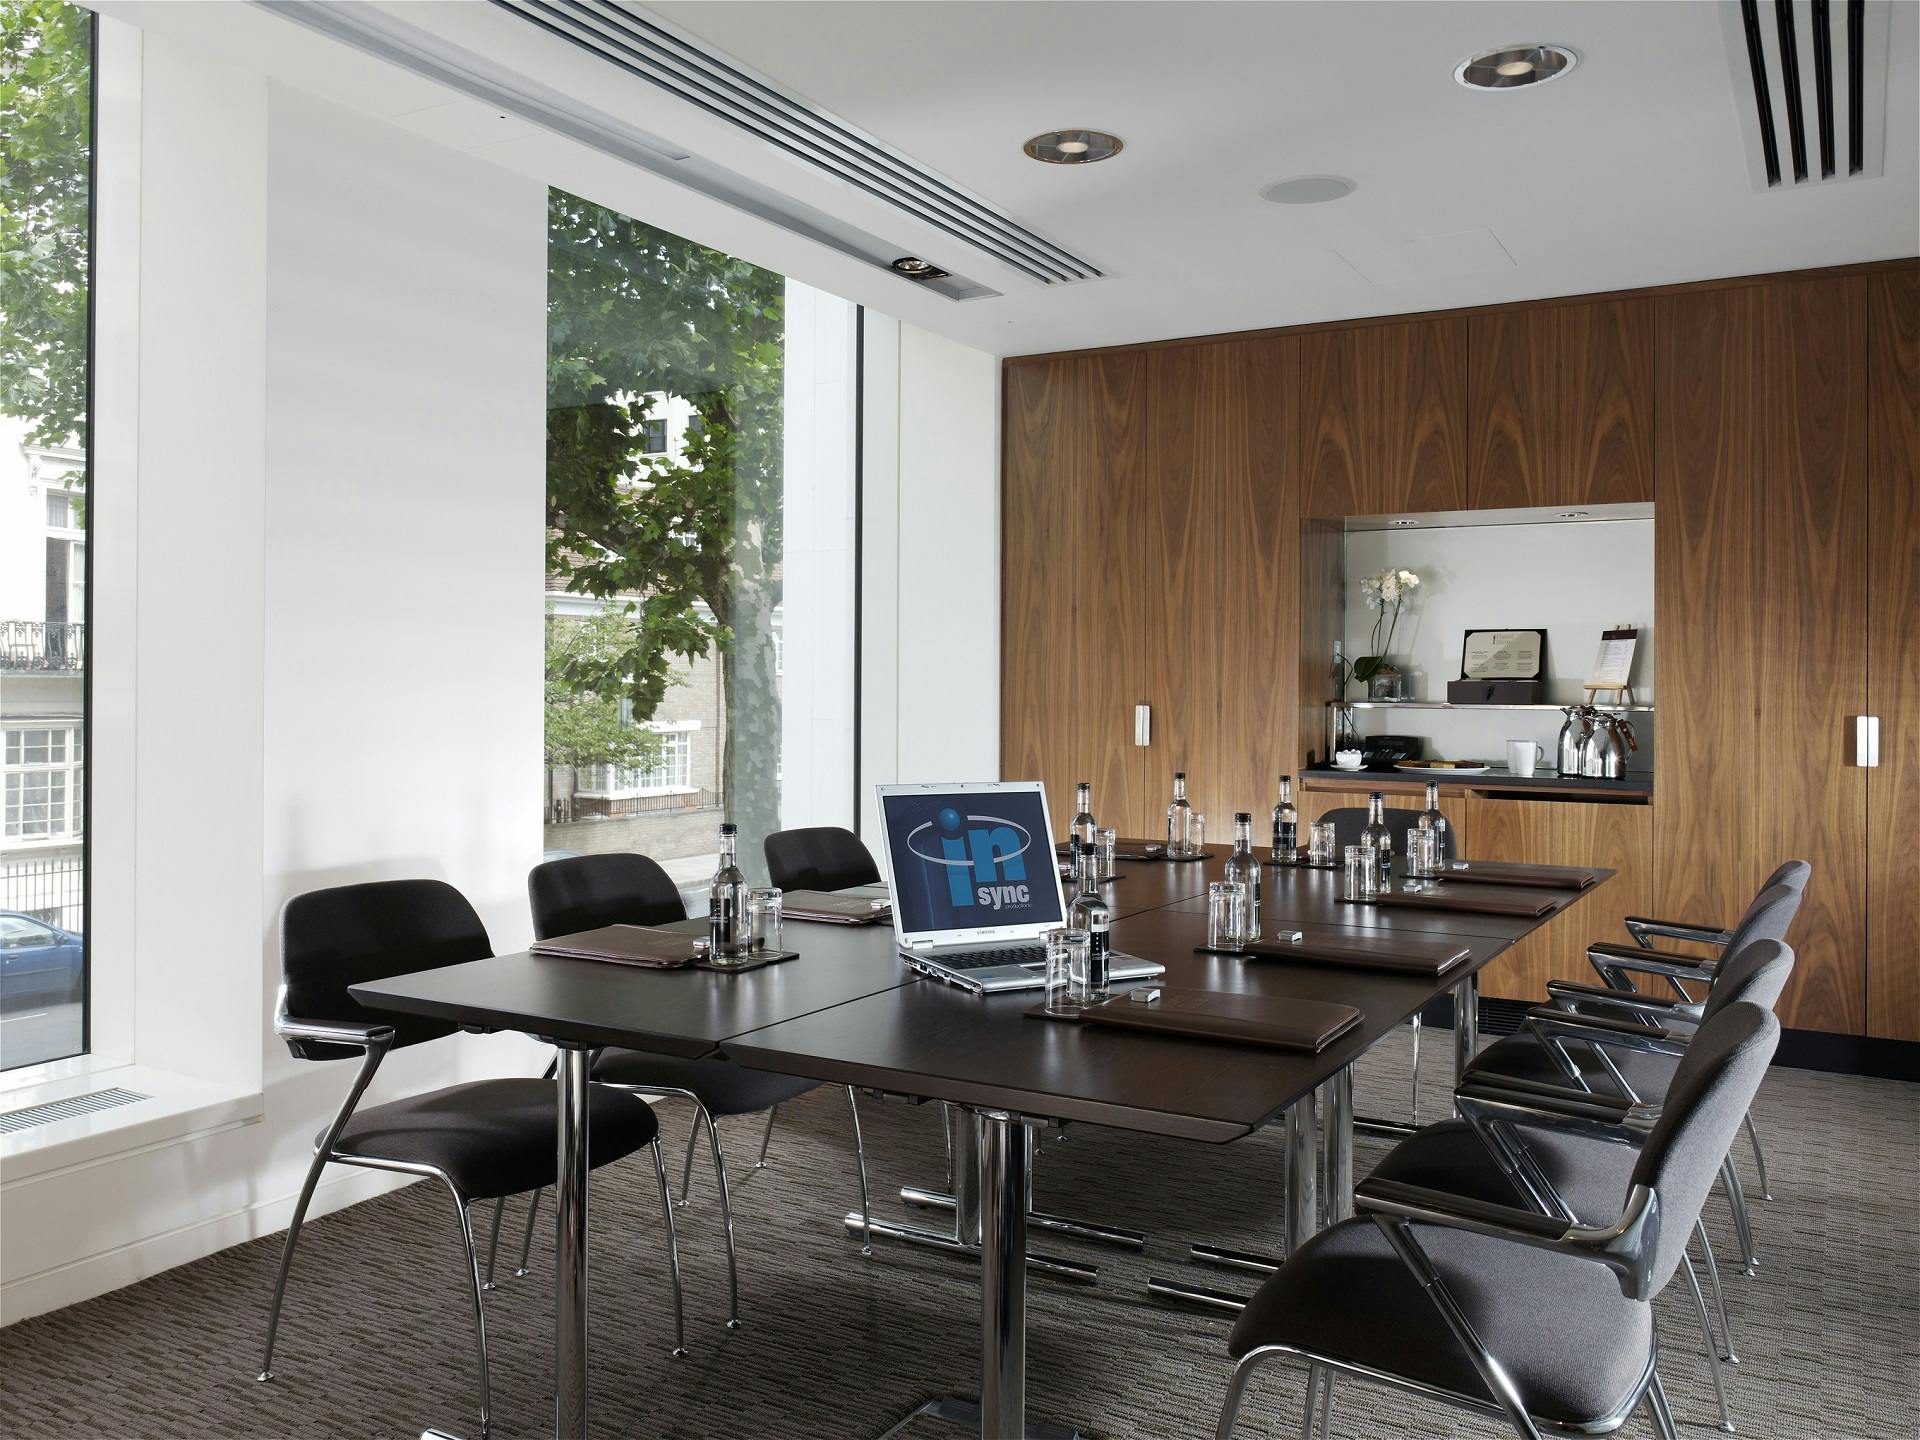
(998, 955)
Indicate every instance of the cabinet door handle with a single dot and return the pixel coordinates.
(1142, 724)
(1866, 741)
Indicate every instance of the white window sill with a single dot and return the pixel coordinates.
(178, 1107)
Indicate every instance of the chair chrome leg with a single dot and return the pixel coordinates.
(766, 1139)
(1236, 1395)
(1414, 1025)
(1737, 1203)
(1660, 1410)
(1326, 1404)
(1314, 1372)
(693, 1139)
(286, 1259)
(1759, 1158)
(1719, 1295)
(946, 1125)
(673, 1251)
(526, 1241)
(479, 1314)
(860, 1163)
(726, 1217)
(1713, 1344)
(493, 1239)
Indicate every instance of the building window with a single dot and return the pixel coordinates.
(670, 774)
(46, 106)
(653, 437)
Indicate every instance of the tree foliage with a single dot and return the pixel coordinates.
(692, 540)
(584, 724)
(45, 135)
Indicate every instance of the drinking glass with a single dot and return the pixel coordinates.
(1320, 842)
(1421, 848)
(1362, 873)
(763, 917)
(1226, 915)
(1109, 845)
(1067, 952)
(1199, 840)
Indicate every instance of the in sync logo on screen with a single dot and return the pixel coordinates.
(981, 855)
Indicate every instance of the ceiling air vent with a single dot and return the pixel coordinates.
(34, 1116)
(1810, 82)
(626, 37)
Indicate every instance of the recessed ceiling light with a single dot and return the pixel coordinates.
(914, 268)
(1512, 66)
(1308, 190)
(1074, 147)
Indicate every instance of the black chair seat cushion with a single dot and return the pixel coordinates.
(1591, 1175)
(1574, 1347)
(1524, 1056)
(722, 1086)
(495, 1137)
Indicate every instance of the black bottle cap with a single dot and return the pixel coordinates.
(1083, 785)
(1243, 817)
(1179, 774)
(727, 827)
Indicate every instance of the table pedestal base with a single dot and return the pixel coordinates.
(957, 1410)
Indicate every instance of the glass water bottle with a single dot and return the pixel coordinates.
(1432, 819)
(1090, 913)
(1084, 833)
(1180, 839)
(728, 934)
(1286, 825)
(1243, 868)
(1378, 837)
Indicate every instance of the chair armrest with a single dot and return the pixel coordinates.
(1538, 1097)
(1550, 1025)
(1623, 1247)
(333, 1032)
(1602, 1117)
(1645, 930)
(1580, 999)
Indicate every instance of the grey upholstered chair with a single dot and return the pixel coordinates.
(1594, 1038)
(1348, 821)
(1541, 1320)
(586, 892)
(1532, 1147)
(483, 1140)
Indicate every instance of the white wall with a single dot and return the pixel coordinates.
(1571, 578)
(930, 703)
(336, 666)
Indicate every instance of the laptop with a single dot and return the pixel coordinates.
(975, 884)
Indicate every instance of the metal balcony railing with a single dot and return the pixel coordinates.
(42, 645)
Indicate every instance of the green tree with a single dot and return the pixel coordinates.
(635, 314)
(584, 725)
(45, 172)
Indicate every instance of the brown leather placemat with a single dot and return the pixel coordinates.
(830, 908)
(1534, 877)
(1278, 1022)
(1470, 899)
(650, 948)
(1366, 952)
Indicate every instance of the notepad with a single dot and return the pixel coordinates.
(831, 908)
(1277, 1022)
(1540, 877)
(1366, 952)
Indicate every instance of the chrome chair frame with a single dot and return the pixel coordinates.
(1625, 1248)
(373, 1041)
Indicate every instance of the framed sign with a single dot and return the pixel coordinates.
(1504, 655)
(1613, 666)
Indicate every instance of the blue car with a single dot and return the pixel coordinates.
(40, 964)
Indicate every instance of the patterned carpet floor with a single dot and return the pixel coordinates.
(377, 1339)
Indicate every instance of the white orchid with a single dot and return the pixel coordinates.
(1387, 593)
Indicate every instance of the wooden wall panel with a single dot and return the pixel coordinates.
(1511, 401)
(1893, 661)
(1044, 454)
(1605, 413)
(1417, 373)
(1338, 474)
(1811, 649)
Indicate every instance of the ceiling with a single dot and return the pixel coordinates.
(1629, 171)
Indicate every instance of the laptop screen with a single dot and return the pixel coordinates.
(970, 860)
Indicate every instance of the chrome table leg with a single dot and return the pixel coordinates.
(1466, 1027)
(1089, 1230)
(1302, 1213)
(1003, 1275)
(570, 1250)
(1337, 1141)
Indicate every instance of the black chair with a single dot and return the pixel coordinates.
(1348, 822)
(1541, 1320)
(1538, 1149)
(589, 891)
(819, 857)
(483, 1140)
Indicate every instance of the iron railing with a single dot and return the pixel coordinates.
(50, 887)
(42, 645)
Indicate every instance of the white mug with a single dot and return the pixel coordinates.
(1522, 756)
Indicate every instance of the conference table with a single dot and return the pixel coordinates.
(848, 1011)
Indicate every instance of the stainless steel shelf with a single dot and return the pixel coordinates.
(1449, 705)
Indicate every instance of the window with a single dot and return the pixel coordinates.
(46, 103)
(674, 602)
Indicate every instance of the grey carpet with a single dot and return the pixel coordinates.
(377, 1335)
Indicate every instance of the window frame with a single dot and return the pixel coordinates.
(601, 781)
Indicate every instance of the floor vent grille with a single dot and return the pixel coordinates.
(33, 1116)
(626, 37)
